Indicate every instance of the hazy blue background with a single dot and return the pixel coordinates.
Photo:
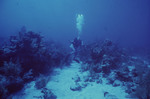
(126, 21)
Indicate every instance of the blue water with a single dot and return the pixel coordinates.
(125, 21)
(108, 40)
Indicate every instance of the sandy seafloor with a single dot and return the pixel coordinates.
(62, 80)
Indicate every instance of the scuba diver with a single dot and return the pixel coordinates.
(76, 45)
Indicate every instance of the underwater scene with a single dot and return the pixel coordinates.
(74, 49)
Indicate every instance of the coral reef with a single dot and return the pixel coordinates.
(24, 57)
(27, 57)
(118, 67)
